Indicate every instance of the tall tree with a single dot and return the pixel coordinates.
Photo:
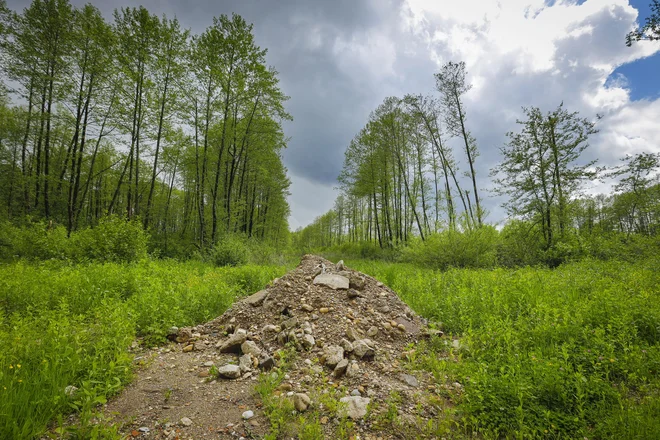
(540, 170)
(452, 85)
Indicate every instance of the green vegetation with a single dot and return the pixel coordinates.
(136, 116)
(570, 352)
(71, 325)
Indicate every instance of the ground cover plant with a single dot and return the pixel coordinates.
(68, 325)
(572, 352)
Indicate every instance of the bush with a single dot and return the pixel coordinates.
(35, 240)
(114, 239)
(475, 248)
(230, 251)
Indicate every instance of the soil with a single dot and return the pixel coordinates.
(177, 394)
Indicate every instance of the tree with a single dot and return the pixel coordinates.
(452, 85)
(651, 29)
(637, 191)
(540, 171)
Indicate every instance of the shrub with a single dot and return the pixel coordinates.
(231, 250)
(113, 239)
(474, 248)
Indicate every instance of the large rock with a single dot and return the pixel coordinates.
(301, 401)
(308, 342)
(229, 371)
(333, 355)
(340, 369)
(245, 363)
(363, 348)
(332, 281)
(256, 299)
(356, 406)
(233, 344)
(251, 347)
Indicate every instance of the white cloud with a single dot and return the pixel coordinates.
(518, 53)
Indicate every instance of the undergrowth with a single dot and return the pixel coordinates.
(572, 352)
(67, 325)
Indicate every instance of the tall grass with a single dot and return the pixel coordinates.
(65, 325)
(567, 353)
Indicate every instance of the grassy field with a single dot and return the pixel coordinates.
(567, 353)
(65, 325)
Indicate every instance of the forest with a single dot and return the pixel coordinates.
(138, 118)
(143, 187)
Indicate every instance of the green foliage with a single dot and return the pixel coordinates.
(72, 325)
(231, 250)
(566, 353)
(113, 240)
(475, 248)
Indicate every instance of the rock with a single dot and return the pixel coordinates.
(229, 371)
(401, 327)
(373, 331)
(332, 281)
(363, 348)
(247, 415)
(353, 334)
(340, 369)
(346, 345)
(301, 401)
(290, 323)
(172, 333)
(245, 363)
(456, 343)
(352, 293)
(188, 348)
(356, 407)
(307, 308)
(308, 341)
(353, 369)
(269, 328)
(233, 344)
(185, 421)
(410, 380)
(251, 347)
(144, 429)
(282, 338)
(356, 393)
(266, 363)
(340, 266)
(333, 355)
(184, 335)
(356, 282)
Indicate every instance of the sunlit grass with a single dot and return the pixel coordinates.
(71, 325)
(567, 353)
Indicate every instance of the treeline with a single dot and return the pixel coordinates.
(410, 176)
(137, 117)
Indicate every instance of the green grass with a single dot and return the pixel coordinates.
(567, 353)
(64, 324)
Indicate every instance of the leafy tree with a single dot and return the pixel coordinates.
(540, 171)
(452, 85)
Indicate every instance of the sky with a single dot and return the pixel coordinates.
(339, 59)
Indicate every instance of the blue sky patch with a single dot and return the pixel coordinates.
(641, 75)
